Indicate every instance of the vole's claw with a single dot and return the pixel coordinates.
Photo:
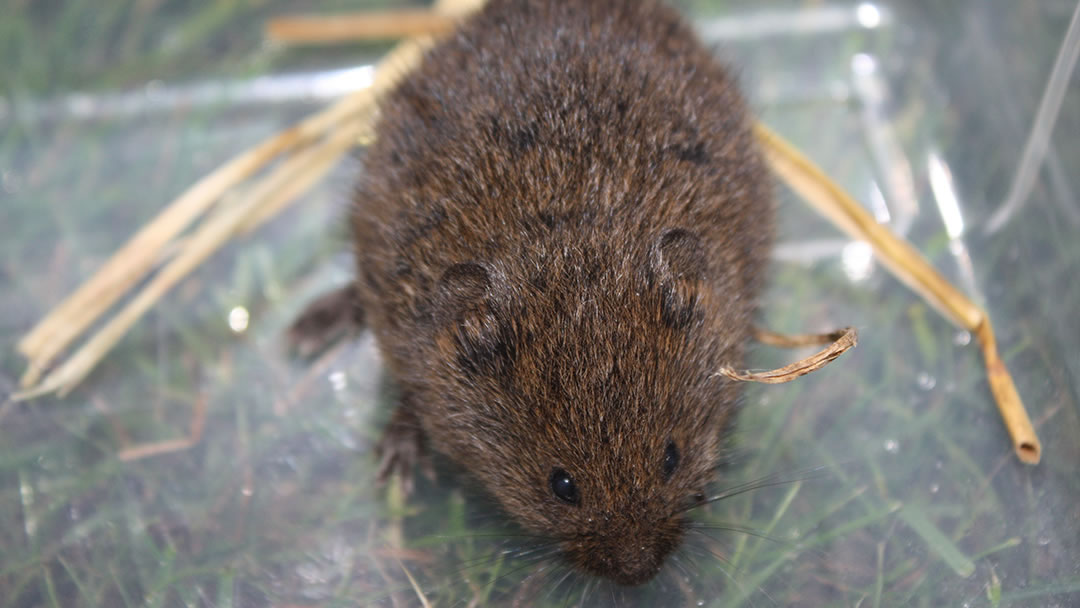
(401, 449)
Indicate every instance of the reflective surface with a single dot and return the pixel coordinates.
(895, 483)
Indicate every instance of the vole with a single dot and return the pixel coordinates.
(560, 235)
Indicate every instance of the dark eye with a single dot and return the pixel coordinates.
(671, 459)
(562, 485)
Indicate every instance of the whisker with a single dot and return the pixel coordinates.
(691, 562)
(493, 584)
(742, 588)
(528, 584)
(491, 535)
(681, 583)
(538, 556)
(552, 588)
(677, 563)
(531, 562)
(528, 557)
(585, 593)
(699, 526)
(569, 572)
(772, 480)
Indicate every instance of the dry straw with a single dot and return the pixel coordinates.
(334, 29)
(305, 153)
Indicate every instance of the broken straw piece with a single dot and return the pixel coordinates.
(908, 265)
(135, 259)
(334, 29)
(152, 243)
(841, 341)
(294, 176)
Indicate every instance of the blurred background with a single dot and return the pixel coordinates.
(920, 108)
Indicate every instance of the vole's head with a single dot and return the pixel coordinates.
(579, 390)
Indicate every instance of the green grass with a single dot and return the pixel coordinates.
(917, 502)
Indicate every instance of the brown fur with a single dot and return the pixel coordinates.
(559, 235)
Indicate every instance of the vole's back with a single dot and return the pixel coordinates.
(590, 123)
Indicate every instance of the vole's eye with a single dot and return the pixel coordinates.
(562, 485)
(671, 459)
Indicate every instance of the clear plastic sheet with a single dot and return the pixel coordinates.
(898, 485)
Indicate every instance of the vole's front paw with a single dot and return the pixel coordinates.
(401, 449)
(324, 320)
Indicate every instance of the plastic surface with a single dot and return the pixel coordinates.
(896, 484)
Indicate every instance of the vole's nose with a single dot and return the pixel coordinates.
(632, 557)
(634, 563)
(628, 550)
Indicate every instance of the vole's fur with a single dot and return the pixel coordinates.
(560, 235)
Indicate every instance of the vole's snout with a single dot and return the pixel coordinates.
(628, 556)
(633, 563)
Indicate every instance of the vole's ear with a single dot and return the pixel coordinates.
(464, 309)
(678, 255)
(462, 287)
(677, 263)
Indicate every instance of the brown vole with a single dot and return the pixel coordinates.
(560, 235)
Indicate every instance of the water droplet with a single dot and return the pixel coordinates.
(700, 602)
(247, 491)
(338, 381)
(858, 260)
(934, 488)
(863, 64)
(1043, 541)
(868, 15)
(238, 319)
(926, 381)
(892, 446)
(962, 338)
